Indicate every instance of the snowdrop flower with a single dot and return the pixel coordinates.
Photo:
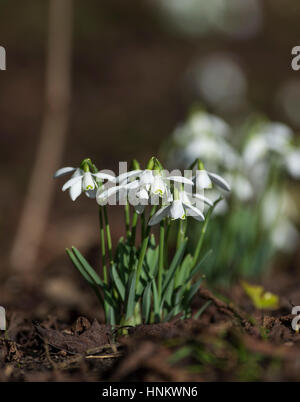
(203, 136)
(155, 183)
(180, 208)
(274, 137)
(82, 181)
(241, 186)
(205, 179)
(147, 183)
(292, 161)
(201, 122)
(285, 236)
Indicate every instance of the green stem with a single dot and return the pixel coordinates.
(141, 259)
(144, 247)
(161, 257)
(166, 241)
(180, 233)
(127, 219)
(143, 225)
(103, 251)
(203, 231)
(133, 228)
(108, 236)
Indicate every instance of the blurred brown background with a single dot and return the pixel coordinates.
(133, 78)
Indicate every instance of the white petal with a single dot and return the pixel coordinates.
(64, 170)
(75, 190)
(158, 186)
(139, 209)
(160, 214)
(255, 149)
(167, 197)
(293, 163)
(186, 197)
(91, 193)
(143, 194)
(147, 177)
(88, 182)
(103, 195)
(202, 180)
(180, 179)
(105, 176)
(127, 175)
(177, 210)
(204, 199)
(219, 181)
(194, 212)
(71, 182)
(131, 186)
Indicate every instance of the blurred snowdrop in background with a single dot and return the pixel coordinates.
(202, 136)
(288, 99)
(220, 81)
(260, 216)
(235, 18)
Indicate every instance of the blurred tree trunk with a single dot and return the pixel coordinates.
(53, 135)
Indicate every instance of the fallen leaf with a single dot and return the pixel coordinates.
(95, 336)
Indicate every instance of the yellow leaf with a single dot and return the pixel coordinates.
(260, 298)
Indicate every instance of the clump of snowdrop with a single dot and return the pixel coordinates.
(256, 158)
(138, 283)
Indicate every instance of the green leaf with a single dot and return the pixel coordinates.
(168, 295)
(156, 306)
(198, 266)
(88, 268)
(201, 310)
(79, 267)
(91, 276)
(131, 295)
(180, 290)
(152, 257)
(118, 282)
(171, 314)
(174, 264)
(184, 270)
(191, 293)
(86, 276)
(111, 318)
(146, 303)
(168, 282)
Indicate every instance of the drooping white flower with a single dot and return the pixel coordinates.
(241, 186)
(203, 136)
(269, 137)
(82, 181)
(285, 235)
(146, 186)
(205, 180)
(292, 161)
(157, 183)
(180, 208)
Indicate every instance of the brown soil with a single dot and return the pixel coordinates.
(229, 341)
